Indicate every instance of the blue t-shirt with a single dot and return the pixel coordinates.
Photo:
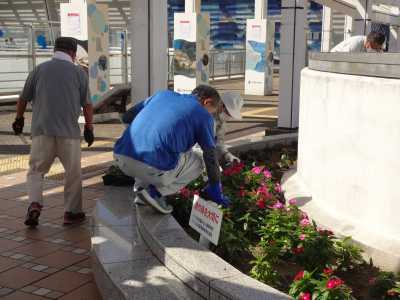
(166, 125)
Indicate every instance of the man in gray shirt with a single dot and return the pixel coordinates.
(57, 89)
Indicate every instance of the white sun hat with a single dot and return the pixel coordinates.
(233, 103)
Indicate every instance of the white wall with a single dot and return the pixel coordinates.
(349, 143)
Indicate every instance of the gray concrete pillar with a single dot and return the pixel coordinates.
(292, 60)
(149, 30)
(362, 24)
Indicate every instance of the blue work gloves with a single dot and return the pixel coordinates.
(214, 192)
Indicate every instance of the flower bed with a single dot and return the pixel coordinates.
(278, 244)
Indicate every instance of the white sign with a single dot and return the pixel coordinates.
(74, 23)
(258, 74)
(206, 219)
(73, 17)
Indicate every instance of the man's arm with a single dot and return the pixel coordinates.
(223, 154)
(131, 114)
(88, 114)
(21, 107)
(212, 166)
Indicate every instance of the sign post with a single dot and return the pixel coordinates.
(191, 45)
(259, 52)
(206, 219)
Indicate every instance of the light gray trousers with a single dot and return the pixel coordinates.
(189, 167)
(44, 150)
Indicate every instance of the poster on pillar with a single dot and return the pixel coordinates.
(258, 69)
(99, 79)
(73, 17)
(191, 46)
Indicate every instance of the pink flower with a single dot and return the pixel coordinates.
(333, 283)
(185, 192)
(292, 202)
(257, 170)
(305, 296)
(267, 174)
(304, 222)
(261, 203)
(392, 293)
(328, 271)
(262, 190)
(277, 205)
(299, 276)
(304, 215)
(302, 237)
(234, 169)
(325, 232)
(298, 250)
(278, 188)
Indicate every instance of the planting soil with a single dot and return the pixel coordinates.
(273, 241)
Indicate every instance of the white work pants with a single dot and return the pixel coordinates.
(189, 167)
(44, 150)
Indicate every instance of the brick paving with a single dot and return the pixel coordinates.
(51, 261)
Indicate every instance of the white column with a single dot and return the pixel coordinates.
(149, 28)
(260, 9)
(348, 27)
(292, 60)
(327, 29)
(192, 6)
(394, 40)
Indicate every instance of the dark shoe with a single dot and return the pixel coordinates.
(32, 216)
(74, 218)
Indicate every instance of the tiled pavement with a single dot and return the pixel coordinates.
(52, 261)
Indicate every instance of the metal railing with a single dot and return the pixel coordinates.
(16, 64)
(223, 64)
(19, 58)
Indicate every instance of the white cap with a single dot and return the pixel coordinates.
(233, 103)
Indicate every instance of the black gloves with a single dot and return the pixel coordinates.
(18, 125)
(88, 135)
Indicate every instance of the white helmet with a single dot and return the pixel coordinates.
(233, 103)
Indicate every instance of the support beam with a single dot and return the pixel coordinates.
(149, 47)
(192, 6)
(52, 17)
(327, 29)
(292, 57)
(348, 27)
(394, 39)
(260, 9)
(362, 24)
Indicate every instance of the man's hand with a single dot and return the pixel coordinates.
(231, 159)
(214, 192)
(18, 125)
(88, 134)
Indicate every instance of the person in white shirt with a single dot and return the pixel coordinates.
(373, 42)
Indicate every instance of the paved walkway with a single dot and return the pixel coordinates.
(51, 261)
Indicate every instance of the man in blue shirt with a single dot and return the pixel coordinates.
(156, 148)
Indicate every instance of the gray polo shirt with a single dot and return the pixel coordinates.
(57, 89)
